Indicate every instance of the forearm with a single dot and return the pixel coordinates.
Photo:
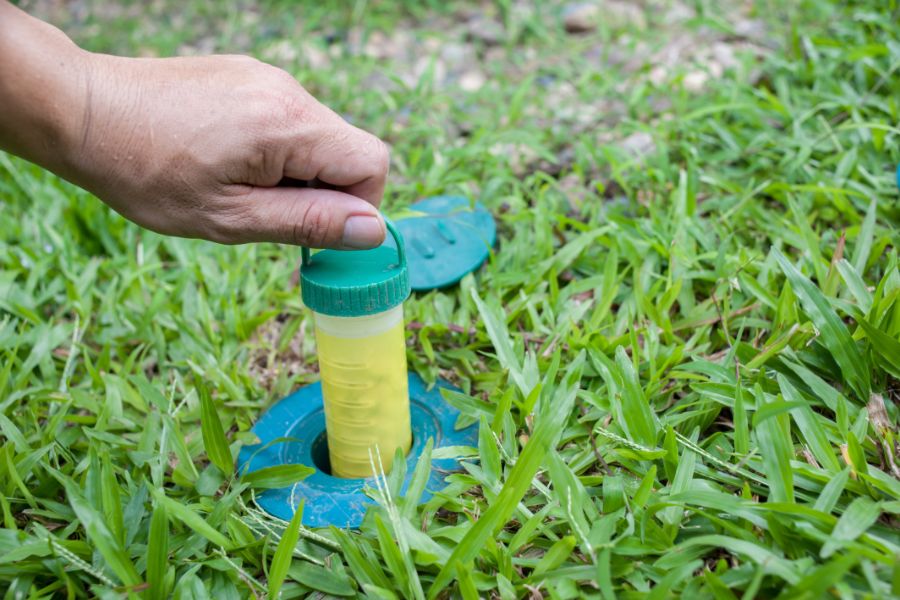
(44, 85)
(190, 146)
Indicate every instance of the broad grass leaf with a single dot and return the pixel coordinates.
(774, 564)
(548, 426)
(885, 346)
(630, 407)
(157, 553)
(555, 556)
(277, 476)
(95, 526)
(863, 246)
(321, 579)
(833, 333)
(809, 426)
(284, 554)
(111, 500)
(856, 520)
(392, 556)
(856, 285)
(684, 473)
(495, 325)
(418, 481)
(213, 434)
(817, 582)
(365, 567)
(831, 493)
(741, 428)
(191, 519)
(773, 437)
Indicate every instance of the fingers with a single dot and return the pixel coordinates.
(316, 218)
(340, 155)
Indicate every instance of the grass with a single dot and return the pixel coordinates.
(686, 362)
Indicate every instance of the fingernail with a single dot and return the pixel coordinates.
(362, 232)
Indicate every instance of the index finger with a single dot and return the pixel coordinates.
(343, 156)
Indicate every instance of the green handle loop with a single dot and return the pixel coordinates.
(305, 256)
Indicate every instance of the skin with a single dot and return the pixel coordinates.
(223, 148)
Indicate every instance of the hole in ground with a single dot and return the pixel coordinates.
(319, 452)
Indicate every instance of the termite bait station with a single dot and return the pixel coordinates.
(366, 404)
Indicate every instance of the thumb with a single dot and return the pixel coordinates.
(316, 218)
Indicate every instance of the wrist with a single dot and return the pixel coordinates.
(44, 89)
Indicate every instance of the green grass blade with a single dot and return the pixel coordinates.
(741, 428)
(859, 516)
(833, 332)
(418, 481)
(773, 438)
(213, 434)
(856, 285)
(191, 519)
(157, 553)
(831, 493)
(864, 240)
(809, 426)
(277, 476)
(684, 473)
(111, 500)
(885, 346)
(105, 542)
(284, 554)
(547, 428)
(555, 556)
(495, 325)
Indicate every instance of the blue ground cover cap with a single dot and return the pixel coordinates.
(446, 238)
(329, 500)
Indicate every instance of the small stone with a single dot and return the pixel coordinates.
(472, 81)
(679, 12)
(282, 52)
(724, 55)
(581, 18)
(485, 30)
(751, 29)
(658, 76)
(458, 55)
(624, 14)
(638, 144)
(695, 81)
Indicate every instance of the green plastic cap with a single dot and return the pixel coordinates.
(355, 283)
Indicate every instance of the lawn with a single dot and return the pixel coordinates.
(684, 353)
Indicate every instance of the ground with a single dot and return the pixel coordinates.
(684, 352)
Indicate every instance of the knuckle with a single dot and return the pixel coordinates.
(381, 158)
(311, 225)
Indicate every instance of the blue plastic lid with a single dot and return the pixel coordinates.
(446, 238)
(293, 432)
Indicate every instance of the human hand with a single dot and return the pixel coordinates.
(194, 147)
(197, 147)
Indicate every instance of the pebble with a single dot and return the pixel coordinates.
(584, 17)
(485, 30)
(751, 29)
(472, 80)
(581, 18)
(695, 81)
(639, 144)
(624, 14)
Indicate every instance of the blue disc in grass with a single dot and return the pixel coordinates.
(329, 500)
(446, 238)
